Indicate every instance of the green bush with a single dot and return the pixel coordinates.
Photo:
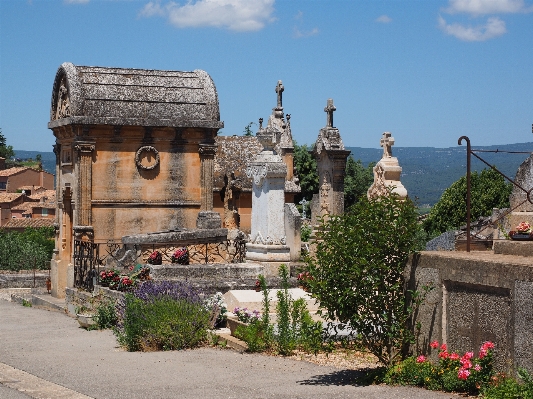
(106, 316)
(452, 373)
(26, 250)
(504, 387)
(358, 274)
(163, 323)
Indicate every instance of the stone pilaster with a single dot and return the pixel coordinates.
(83, 218)
(207, 219)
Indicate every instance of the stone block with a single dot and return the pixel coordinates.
(253, 300)
(510, 247)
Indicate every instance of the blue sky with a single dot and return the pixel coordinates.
(428, 71)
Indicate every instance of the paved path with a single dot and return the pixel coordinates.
(46, 355)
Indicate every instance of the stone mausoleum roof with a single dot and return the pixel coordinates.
(133, 97)
(234, 153)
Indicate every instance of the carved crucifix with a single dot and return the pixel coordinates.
(387, 141)
(330, 108)
(279, 91)
(477, 334)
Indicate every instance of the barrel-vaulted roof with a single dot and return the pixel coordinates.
(133, 97)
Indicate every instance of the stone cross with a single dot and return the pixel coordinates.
(279, 91)
(330, 108)
(475, 332)
(387, 141)
(303, 203)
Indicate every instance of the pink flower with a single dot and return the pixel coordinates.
(487, 345)
(482, 353)
(421, 359)
(434, 344)
(443, 347)
(466, 363)
(444, 355)
(463, 374)
(454, 356)
(468, 355)
(477, 367)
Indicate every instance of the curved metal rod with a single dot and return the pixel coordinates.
(468, 152)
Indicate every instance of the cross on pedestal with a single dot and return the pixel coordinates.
(279, 91)
(303, 203)
(330, 108)
(387, 141)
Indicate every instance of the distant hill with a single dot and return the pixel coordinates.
(427, 171)
(48, 159)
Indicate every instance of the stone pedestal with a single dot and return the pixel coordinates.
(387, 172)
(268, 171)
(59, 275)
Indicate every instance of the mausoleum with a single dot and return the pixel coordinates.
(134, 154)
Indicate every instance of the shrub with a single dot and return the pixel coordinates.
(106, 316)
(358, 274)
(162, 316)
(505, 387)
(453, 373)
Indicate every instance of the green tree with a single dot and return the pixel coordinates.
(356, 181)
(5, 151)
(29, 249)
(488, 190)
(306, 168)
(358, 278)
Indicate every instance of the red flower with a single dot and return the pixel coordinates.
(421, 359)
(434, 344)
(443, 347)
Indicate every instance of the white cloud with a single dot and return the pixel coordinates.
(481, 7)
(75, 1)
(298, 33)
(237, 15)
(384, 19)
(493, 28)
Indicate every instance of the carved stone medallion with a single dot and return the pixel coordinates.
(147, 157)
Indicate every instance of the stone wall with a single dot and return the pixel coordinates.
(477, 297)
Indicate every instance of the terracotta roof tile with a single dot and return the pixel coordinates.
(50, 194)
(9, 197)
(13, 171)
(19, 223)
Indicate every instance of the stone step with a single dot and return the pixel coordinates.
(48, 302)
(231, 341)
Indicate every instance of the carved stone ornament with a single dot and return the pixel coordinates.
(63, 101)
(258, 173)
(147, 157)
(84, 147)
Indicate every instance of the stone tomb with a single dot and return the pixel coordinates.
(275, 230)
(134, 154)
(477, 297)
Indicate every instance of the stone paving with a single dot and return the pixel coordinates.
(41, 350)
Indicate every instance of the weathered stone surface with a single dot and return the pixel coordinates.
(387, 172)
(509, 247)
(478, 296)
(178, 237)
(475, 314)
(330, 156)
(133, 97)
(523, 322)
